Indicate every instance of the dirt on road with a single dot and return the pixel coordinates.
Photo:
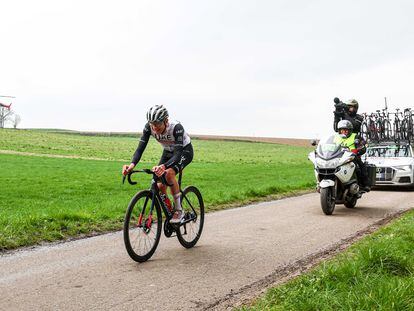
(242, 252)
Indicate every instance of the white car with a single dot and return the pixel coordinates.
(394, 162)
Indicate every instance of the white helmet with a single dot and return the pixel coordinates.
(345, 124)
(157, 113)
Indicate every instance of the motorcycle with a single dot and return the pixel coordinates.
(336, 175)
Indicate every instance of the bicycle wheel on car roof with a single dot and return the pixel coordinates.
(387, 130)
(364, 131)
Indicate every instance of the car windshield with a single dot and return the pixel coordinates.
(328, 148)
(389, 152)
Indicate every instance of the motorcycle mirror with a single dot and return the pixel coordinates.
(336, 100)
(313, 142)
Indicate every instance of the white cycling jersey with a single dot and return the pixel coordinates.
(173, 136)
(169, 138)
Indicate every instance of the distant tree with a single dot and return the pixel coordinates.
(16, 120)
(5, 115)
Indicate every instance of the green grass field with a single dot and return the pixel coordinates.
(48, 199)
(376, 273)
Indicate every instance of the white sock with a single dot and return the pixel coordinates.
(177, 202)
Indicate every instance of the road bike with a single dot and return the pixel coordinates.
(384, 124)
(143, 218)
(398, 130)
(370, 128)
(407, 124)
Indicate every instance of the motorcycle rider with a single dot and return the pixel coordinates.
(348, 111)
(347, 138)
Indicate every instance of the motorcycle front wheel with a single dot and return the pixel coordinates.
(327, 200)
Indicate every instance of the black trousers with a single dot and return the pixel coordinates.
(363, 171)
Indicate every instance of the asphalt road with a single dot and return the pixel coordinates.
(239, 249)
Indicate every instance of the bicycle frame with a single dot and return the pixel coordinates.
(155, 191)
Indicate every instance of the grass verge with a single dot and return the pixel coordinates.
(49, 199)
(376, 273)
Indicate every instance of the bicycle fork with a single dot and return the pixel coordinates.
(147, 222)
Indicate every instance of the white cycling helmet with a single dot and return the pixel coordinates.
(157, 113)
(345, 124)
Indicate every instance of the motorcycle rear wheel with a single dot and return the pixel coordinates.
(351, 203)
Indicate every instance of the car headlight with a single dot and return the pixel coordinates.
(405, 168)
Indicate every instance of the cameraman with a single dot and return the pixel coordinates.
(347, 111)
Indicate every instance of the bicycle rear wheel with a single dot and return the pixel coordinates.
(193, 206)
(142, 226)
(410, 129)
(364, 131)
(372, 131)
(397, 131)
(404, 129)
(387, 130)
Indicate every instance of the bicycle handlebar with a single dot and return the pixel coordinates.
(147, 171)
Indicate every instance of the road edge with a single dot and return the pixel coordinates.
(249, 293)
(215, 209)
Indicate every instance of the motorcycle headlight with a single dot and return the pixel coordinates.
(405, 168)
(320, 162)
(326, 164)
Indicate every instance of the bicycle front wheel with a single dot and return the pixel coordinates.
(142, 226)
(193, 207)
(387, 129)
(364, 131)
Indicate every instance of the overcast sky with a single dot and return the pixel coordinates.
(256, 68)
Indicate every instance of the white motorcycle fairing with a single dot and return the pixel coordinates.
(325, 183)
(345, 172)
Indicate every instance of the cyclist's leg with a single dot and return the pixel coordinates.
(166, 155)
(186, 159)
(170, 174)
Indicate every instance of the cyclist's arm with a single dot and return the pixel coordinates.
(146, 133)
(178, 133)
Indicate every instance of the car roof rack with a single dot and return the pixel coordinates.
(388, 142)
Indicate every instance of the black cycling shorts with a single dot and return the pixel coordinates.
(186, 158)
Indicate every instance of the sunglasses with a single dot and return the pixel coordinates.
(157, 123)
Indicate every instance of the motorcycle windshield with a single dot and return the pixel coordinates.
(328, 148)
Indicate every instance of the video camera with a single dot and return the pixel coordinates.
(340, 107)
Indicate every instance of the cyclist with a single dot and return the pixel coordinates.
(177, 152)
(356, 144)
(348, 111)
